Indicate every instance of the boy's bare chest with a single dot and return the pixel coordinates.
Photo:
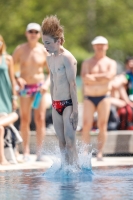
(56, 66)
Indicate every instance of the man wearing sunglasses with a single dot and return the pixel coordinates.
(31, 59)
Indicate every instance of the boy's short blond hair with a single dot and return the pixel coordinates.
(51, 26)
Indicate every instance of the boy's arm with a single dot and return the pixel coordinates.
(51, 85)
(71, 70)
(47, 81)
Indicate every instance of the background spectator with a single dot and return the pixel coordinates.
(97, 73)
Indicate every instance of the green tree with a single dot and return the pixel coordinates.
(83, 20)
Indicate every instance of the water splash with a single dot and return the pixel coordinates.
(60, 171)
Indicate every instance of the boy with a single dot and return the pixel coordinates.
(63, 67)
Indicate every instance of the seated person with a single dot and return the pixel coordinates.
(129, 77)
(119, 97)
(5, 121)
(122, 86)
(121, 102)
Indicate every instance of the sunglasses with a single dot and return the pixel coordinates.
(31, 32)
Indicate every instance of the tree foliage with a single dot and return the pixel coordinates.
(83, 20)
(15, 15)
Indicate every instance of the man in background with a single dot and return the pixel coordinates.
(97, 73)
(31, 58)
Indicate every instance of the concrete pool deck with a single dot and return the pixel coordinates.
(118, 143)
(32, 164)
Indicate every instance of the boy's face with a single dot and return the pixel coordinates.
(49, 43)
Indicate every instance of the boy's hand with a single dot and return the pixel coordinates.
(74, 120)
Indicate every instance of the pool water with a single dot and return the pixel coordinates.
(104, 183)
(62, 182)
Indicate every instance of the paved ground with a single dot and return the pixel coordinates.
(32, 164)
(108, 161)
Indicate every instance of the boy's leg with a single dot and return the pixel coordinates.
(70, 136)
(59, 129)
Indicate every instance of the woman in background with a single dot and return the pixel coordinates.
(8, 97)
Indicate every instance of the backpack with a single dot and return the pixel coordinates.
(126, 118)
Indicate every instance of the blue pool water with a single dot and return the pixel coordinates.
(104, 184)
(68, 183)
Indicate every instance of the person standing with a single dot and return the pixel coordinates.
(97, 73)
(31, 58)
(8, 97)
(63, 67)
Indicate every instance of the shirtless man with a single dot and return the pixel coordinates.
(63, 67)
(97, 73)
(31, 57)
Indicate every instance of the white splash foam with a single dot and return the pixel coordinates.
(59, 169)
